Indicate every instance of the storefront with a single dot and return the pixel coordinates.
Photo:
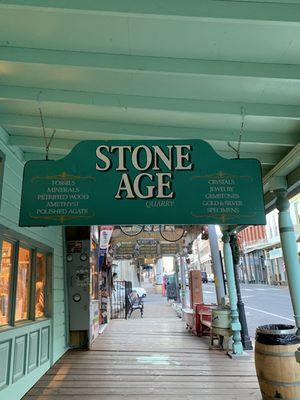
(32, 295)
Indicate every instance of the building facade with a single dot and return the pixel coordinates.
(32, 288)
(261, 259)
(253, 268)
(261, 253)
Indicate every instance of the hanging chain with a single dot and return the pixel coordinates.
(47, 143)
(238, 149)
(241, 132)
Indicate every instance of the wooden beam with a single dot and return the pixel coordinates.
(148, 65)
(92, 129)
(135, 102)
(202, 10)
(284, 167)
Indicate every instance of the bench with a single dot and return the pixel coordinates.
(135, 303)
(203, 318)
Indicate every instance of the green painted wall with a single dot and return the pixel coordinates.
(25, 348)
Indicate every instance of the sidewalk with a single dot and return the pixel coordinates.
(153, 358)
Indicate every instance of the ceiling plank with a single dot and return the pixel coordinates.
(89, 129)
(204, 9)
(143, 64)
(40, 95)
(170, 28)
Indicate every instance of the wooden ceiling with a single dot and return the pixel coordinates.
(127, 69)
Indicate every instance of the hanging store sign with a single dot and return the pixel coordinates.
(149, 182)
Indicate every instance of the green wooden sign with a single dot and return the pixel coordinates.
(148, 182)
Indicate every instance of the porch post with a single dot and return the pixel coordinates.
(216, 263)
(289, 250)
(237, 346)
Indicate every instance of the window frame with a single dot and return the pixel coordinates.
(21, 321)
(48, 258)
(18, 240)
(11, 283)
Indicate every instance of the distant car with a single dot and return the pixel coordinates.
(211, 278)
(204, 277)
(141, 292)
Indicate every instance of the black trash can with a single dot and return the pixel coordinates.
(277, 370)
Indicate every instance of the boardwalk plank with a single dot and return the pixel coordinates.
(154, 358)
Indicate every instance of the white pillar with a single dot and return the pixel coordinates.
(159, 271)
(216, 263)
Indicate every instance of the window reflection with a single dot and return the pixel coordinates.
(5, 275)
(40, 285)
(23, 284)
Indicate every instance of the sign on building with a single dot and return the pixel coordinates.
(149, 182)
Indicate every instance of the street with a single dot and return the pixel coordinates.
(263, 304)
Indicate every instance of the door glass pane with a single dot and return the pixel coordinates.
(5, 274)
(40, 285)
(23, 282)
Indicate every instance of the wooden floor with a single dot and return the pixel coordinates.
(149, 359)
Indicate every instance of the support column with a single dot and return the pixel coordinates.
(237, 346)
(290, 255)
(183, 281)
(216, 263)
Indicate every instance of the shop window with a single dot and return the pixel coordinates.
(23, 284)
(5, 279)
(40, 285)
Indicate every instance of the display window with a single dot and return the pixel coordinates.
(40, 285)
(23, 284)
(23, 281)
(5, 281)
